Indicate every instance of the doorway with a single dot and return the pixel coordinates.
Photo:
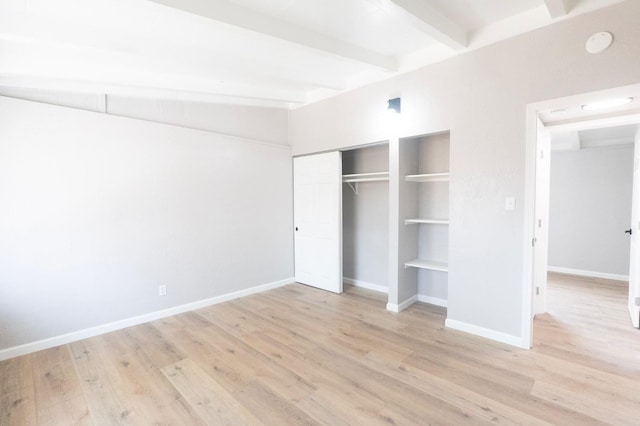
(590, 202)
(567, 115)
(589, 209)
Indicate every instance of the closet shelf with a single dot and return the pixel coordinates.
(431, 221)
(428, 177)
(428, 264)
(365, 177)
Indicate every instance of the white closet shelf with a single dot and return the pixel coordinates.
(432, 221)
(428, 177)
(365, 177)
(428, 264)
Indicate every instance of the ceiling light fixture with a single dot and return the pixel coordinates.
(608, 104)
(599, 42)
(394, 105)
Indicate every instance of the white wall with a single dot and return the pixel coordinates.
(97, 211)
(266, 124)
(590, 207)
(481, 97)
(365, 218)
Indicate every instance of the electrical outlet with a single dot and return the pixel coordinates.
(162, 290)
(637, 301)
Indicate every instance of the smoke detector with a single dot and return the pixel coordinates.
(599, 42)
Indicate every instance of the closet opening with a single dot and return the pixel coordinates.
(423, 228)
(365, 217)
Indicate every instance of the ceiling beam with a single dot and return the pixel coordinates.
(614, 119)
(231, 14)
(427, 19)
(25, 38)
(565, 141)
(556, 8)
(239, 96)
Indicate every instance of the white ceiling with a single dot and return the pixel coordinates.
(573, 128)
(620, 135)
(281, 53)
(574, 140)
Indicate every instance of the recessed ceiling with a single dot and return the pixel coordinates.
(281, 53)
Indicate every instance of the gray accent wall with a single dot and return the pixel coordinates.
(481, 97)
(97, 211)
(589, 209)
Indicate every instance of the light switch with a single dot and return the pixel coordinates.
(510, 204)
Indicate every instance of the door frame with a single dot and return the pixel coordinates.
(531, 149)
(541, 217)
(634, 267)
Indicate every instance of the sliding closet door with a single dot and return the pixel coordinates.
(317, 192)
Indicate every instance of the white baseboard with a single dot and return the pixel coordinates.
(487, 333)
(51, 342)
(369, 286)
(592, 274)
(432, 300)
(392, 307)
(403, 305)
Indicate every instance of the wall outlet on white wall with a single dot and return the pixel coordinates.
(162, 290)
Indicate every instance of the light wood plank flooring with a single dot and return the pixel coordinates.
(297, 355)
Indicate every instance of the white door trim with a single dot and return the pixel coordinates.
(634, 266)
(541, 219)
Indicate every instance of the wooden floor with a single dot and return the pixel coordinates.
(297, 355)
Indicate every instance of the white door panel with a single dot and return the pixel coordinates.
(634, 260)
(317, 191)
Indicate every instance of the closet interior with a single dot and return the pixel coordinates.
(424, 214)
(365, 216)
(395, 219)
